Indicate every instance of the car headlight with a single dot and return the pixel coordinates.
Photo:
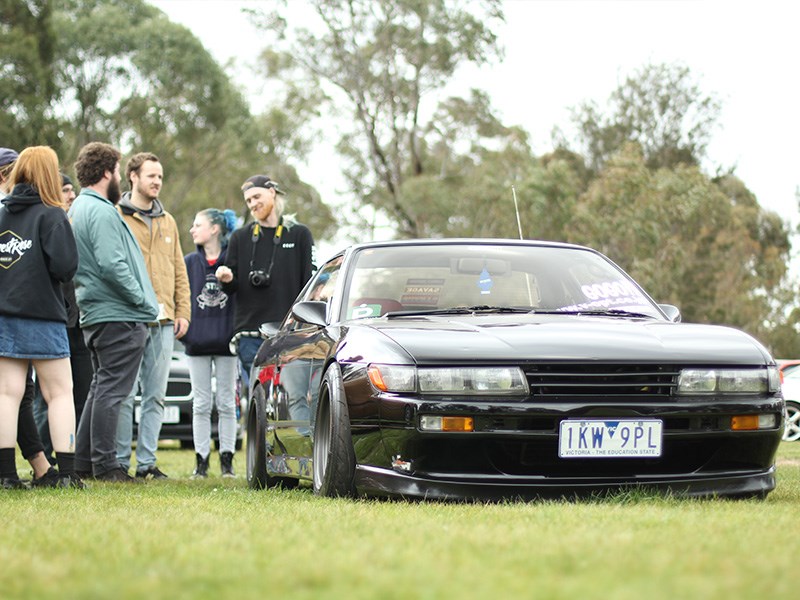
(462, 381)
(728, 381)
(393, 378)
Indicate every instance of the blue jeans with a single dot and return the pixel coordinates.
(152, 378)
(247, 350)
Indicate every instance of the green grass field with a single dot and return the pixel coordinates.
(218, 539)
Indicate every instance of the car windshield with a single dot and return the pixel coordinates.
(489, 277)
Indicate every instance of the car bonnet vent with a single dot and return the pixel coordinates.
(601, 380)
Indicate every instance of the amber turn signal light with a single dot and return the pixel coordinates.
(436, 423)
(744, 422)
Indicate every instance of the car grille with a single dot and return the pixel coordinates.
(558, 380)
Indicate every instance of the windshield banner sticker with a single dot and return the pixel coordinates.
(609, 294)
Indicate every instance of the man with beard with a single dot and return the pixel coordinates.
(157, 234)
(267, 264)
(115, 299)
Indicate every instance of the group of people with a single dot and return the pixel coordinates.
(91, 301)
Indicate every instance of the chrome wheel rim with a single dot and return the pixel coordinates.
(791, 432)
(322, 442)
(251, 448)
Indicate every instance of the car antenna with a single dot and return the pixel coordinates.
(516, 210)
(519, 227)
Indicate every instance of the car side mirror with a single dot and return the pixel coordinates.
(311, 311)
(673, 312)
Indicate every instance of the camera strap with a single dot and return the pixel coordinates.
(276, 240)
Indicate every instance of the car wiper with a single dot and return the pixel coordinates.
(459, 310)
(603, 312)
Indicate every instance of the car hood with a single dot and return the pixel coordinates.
(500, 338)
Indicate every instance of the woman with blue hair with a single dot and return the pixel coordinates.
(207, 340)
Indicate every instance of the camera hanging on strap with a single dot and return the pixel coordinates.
(258, 277)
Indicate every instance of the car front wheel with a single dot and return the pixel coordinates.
(334, 457)
(257, 442)
(791, 433)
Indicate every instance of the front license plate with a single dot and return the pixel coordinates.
(172, 414)
(604, 438)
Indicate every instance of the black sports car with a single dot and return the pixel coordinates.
(487, 369)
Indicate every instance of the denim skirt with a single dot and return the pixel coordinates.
(32, 338)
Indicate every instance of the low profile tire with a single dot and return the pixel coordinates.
(334, 458)
(791, 432)
(257, 442)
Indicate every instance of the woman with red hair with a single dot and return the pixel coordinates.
(37, 254)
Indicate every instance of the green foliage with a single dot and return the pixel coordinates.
(121, 72)
(703, 245)
(27, 85)
(662, 108)
(381, 59)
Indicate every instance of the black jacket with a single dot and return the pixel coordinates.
(292, 268)
(37, 254)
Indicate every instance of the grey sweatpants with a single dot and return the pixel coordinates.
(116, 350)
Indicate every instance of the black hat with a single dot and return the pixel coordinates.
(65, 180)
(261, 181)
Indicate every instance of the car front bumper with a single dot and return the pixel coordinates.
(373, 481)
(514, 451)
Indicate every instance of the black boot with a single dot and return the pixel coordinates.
(201, 470)
(226, 464)
(9, 480)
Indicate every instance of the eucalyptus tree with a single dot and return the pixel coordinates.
(661, 107)
(373, 64)
(701, 243)
(129, 75)
(27, 80)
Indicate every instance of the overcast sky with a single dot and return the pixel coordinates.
(561, 53)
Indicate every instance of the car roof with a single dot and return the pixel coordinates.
(446, 241)
(459, 241)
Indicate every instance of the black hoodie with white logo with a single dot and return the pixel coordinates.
(37, 254)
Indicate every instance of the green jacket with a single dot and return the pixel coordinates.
(111, 284)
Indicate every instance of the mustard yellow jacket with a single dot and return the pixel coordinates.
(163, 257)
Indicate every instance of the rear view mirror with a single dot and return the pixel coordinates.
(476, 266)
